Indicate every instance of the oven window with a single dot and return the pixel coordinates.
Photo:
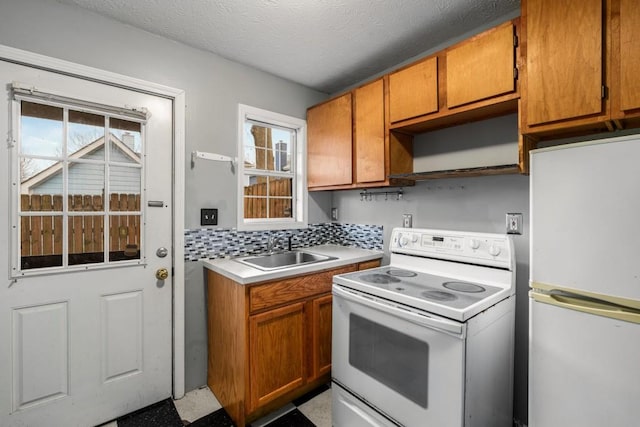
(398, 361)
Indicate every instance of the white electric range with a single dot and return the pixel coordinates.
(428, 339)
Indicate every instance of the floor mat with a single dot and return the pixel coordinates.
(161, 414)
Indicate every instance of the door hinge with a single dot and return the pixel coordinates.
(515, 40)
(515, 73)
(603, 92)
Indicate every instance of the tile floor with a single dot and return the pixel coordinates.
(199, 408)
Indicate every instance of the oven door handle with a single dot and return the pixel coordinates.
(447, 326)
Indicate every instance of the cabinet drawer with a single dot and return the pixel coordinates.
(292, 289)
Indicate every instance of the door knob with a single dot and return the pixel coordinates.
(162, 273)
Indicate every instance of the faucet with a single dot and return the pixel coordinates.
(273, 240)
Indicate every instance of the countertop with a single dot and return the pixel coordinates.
(244, 274)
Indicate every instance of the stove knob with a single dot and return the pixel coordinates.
(494, 250)
(414, 238)
(404, 240)
(474, 244)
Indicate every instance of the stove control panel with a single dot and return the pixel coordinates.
(482, 248)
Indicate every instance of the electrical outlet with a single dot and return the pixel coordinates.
(208, 216)
(514, 223)
(407, 220)
(334, 214)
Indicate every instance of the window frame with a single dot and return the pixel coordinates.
(299, 218)
(16, 212)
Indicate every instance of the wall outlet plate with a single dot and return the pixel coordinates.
(334, 214)
(407, 220)
(514, 223)
(208, 216)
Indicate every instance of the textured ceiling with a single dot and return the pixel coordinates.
(327, 45)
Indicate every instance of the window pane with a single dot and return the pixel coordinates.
(280, 199)
(126, 141)
(41, 241)
(255, 207)
(86, 179)
(282, 157)
(86, 239)
(41, 130)
(280, 208)
(267, 148)
(280, 187)
(124, 202)
(36, 172)
(85, 135)
(124, 237)
(124, 180)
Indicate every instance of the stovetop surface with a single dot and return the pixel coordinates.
(446, 296)
(423, 286)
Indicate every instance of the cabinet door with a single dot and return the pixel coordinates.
(329, 143)
(321, 332)
(564, 59)
(482, 67)
(413, 91)
(629, 55)
(276, 353)
(369, 132)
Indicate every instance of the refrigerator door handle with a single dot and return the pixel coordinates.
(587, 304)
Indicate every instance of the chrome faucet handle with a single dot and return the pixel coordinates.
(272, 241)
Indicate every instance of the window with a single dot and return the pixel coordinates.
(271, 170)
(77, 185)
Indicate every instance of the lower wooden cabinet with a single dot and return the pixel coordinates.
(276, 353)
(321, 336)
(269, 342)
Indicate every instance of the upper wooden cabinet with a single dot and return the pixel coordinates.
(472, 80)
(482, 67)
(413, 91)
(582, 59)
(369, 135)
(357, 120)
(329, 143)
(565, 67)
(626, 63)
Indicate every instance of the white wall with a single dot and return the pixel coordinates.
(214, 86)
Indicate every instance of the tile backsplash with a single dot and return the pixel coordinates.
(209, 243)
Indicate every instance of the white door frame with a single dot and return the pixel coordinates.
(178, 97)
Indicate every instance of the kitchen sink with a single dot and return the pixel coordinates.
(279, 260)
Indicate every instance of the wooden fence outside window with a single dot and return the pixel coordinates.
(42, 234)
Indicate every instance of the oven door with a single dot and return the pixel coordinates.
(406, 364)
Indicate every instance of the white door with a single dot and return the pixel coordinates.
(85, 325)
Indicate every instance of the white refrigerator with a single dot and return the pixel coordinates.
(584, 299)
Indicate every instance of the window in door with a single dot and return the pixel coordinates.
(271, 178)
(77, 185)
